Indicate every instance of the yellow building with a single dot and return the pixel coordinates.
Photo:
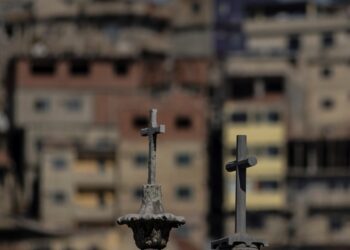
(264, 123)
(265, 126)
(78, 188)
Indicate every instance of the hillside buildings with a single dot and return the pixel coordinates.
(80, 76)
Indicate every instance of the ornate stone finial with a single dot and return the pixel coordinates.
(240, 240)
(151, 226)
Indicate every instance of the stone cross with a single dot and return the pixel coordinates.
(152, 131)
(240, 165)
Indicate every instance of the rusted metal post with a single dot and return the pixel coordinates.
(240, 240)
(151, 226)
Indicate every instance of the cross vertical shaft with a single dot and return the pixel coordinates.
(240, 240)
(152, 132)
(152, 148)
(240, 220)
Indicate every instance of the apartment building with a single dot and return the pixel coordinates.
(181, 157)
(304, 44)
(73, 110)
(78, 187)
(265, 127)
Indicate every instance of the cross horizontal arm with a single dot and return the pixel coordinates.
(249, 162)
(151, 131)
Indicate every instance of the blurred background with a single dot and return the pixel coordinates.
(79, 76)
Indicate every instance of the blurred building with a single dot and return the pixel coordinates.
(80, 119)
(80, 76)
(181, 156)
(298, 50)
(256, 107)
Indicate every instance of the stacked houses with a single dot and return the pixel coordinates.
(80, 76)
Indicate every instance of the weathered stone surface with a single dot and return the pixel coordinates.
(151, 226)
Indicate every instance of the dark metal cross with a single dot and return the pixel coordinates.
(240, 165)
(152, 131)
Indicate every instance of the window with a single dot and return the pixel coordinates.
(196, 7)
(73, 104)
(39, 144)
(79, 67)
(183, 232)
(268, 185)
(294, 43)
(9, 30)
(327, 103)
(326, 72)
(335, 223)
(45, 67)
(122, 67)
(255, 221)
(101, 199)
(41, 104)
(140, 159)
(241, 87)
(184, 193)
(183, 159)
(101, 163)
(239, 117)
(59, 163)
(59, 197)
(138, 192)
(273, 116)
(274, 84)
(293, 61)
(183, 122)
(327, 39)
(273, 151)
(140, 122)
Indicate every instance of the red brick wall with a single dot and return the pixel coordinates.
(101, 76)
(169, 108)
(192, 71)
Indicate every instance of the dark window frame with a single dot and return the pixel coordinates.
(73, 104)
(59, 163)
(140, 121)
(327, 39)
(183, 159)
(41, 104)
(183, 122)
(184, 193)
(79, 68)
(239, 117)
(140, 159)
(59, 197)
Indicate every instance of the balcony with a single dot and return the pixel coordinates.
(273, 133)
(95, 214)
(288, 25)
(95, 180)
(259, 200)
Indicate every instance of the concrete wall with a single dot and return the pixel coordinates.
(263, 135)
(36, 136)
(56, 189)
(171, 175)
(40, 106)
